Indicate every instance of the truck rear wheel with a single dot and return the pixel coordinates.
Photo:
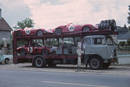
(95, 63)
(39, 62)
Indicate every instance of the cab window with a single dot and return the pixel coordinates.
(98, 41)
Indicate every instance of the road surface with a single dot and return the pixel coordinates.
(27, 76)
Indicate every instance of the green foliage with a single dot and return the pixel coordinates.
(24, 23)
(122, 43)
(128, 42)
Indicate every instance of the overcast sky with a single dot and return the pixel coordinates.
(51, 13)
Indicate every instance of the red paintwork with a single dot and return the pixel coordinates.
(35, 50)
(17, 58)
(77, 28)
(32, 31)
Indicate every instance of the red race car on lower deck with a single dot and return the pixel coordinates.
(32, 49)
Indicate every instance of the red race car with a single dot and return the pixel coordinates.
(33, 49)
(28, 31)
(74, 28)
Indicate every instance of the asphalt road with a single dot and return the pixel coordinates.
(26, 76)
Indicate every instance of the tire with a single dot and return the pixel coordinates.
(86, 29)
(106, 65)
(39, 62)
(39, 33)
(22, 52)
(95, 63)
(113, 25)
(6, 61)
(101, 25)
(58, 31)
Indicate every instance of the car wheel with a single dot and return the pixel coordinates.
(95, 63)
(39, 33)
(86, 29)
(22, 52)
(58, 31)
(6, 61)
(39, 62)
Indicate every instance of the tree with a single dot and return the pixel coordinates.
(122, 43)
(28, 22)
(128, 42)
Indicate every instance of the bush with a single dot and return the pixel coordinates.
(128, 42)
(122, 43)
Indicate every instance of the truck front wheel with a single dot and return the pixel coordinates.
(95, 63)
(39, 62)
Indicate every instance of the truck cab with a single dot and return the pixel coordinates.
(99, 51)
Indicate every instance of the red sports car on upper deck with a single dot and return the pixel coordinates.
(74, 28)
(28, 31)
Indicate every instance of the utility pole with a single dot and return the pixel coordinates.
(79, 53)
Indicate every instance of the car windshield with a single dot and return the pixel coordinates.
(69, 41)
(22, 42)
(37, 43)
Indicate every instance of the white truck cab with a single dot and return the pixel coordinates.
(99, 51)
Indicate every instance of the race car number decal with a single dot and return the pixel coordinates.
(27, 32)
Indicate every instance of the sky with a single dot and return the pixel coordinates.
(49, 14)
